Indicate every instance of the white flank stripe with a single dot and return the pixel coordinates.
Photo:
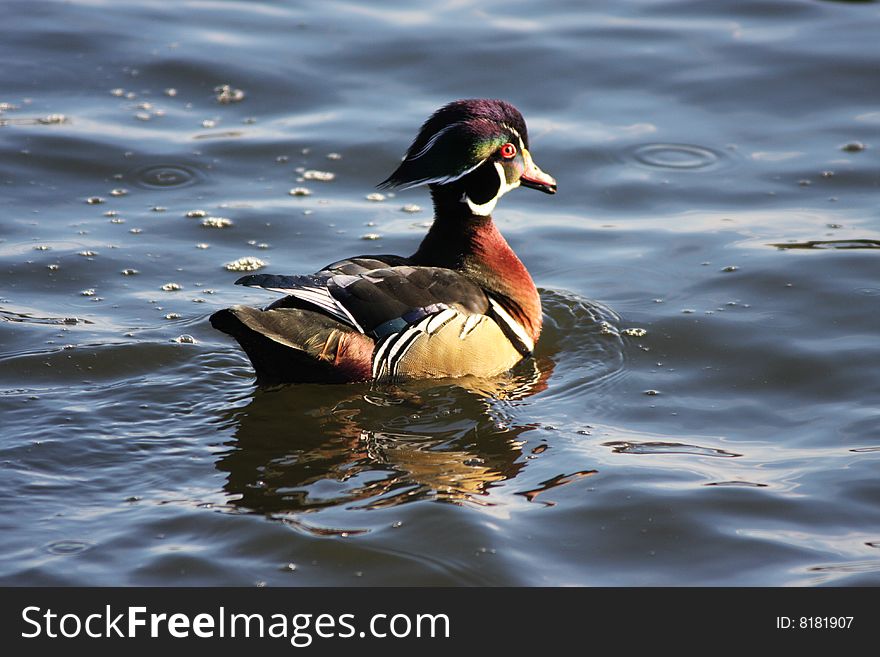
(469, 325)
(515, 326)
(379, 355)
(423, 324)
(400, 343)
(395, 358)
(440, 320)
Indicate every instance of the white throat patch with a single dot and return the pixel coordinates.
(485, 209)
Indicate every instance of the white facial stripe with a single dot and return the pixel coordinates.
(486, 208)
(440, 180)
(514, 326)
(431, 142)
(513, 130)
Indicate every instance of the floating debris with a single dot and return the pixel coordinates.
(52, 119)
(635, 332)
(300, 191)
(375, 196)
(804, 182)
(216, 222)
(129, 272)
(371, 236)
(322, 176)
(185, 339)
(202, 245)
(171, 287)
(42, 247)
(88, 254)
(95, 200)
(118, 92)
(827, 174)
(412, 208)
(118, 192)
(634, 447)
(730, 268)
(117, 220)
(262, 245)
(607, 329)
(53, 267)
(688, 311)
(158, 208)
(171, 92)
(248, 263)
(172, 316)
(831, 244)
(111, 213)
(135, 231)
(652, 393)
(853, 147)
(226, 94)
(88, 293)
(143, 116)
(196, 214)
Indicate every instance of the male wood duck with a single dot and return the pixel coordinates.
(462, 304)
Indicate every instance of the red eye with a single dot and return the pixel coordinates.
(508, 151)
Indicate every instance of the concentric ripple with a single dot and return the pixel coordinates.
(676, 156)
(165, 176)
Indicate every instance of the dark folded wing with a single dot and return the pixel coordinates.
(382, 301)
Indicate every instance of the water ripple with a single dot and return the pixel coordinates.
(164, 176)
(676, 156)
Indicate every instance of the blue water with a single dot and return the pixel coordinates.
(702, 407)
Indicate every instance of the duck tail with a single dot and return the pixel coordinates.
(296, 345)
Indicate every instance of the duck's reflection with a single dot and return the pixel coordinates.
(305, 448)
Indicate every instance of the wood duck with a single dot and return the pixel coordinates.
(462, 304)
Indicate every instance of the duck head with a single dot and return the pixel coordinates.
(476, 149)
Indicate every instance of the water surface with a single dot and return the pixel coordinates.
(701, 409)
